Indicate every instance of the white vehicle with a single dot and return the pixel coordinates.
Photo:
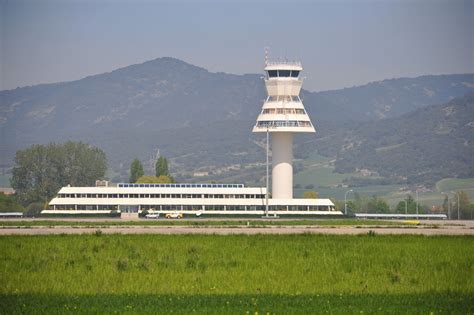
(153, 216)
(174, 215)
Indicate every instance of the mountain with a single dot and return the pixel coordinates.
(201, 120)
(389, 98)
(422, 146)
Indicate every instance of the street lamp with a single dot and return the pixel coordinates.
(449, 205)
(345, 201)
(417, 203)
(458, 201)
(266, 195)
(406, 206)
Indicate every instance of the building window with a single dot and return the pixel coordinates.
(272, 73)
(284, 73)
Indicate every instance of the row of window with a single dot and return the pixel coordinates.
(174, 196)
(195, 207)
(127, 185)
(283, 123)
(283, 98)
(297, 111)
(283, 73)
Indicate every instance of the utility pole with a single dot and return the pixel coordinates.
(345, 201)
(266, 194)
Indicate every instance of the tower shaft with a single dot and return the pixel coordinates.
(282, 167)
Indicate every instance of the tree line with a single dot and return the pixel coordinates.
(42, 169)
(162, 174)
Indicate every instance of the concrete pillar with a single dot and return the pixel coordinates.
(282, 167)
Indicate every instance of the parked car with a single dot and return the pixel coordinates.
(174, 215)
(153, 216)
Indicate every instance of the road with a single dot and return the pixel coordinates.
(431, 228)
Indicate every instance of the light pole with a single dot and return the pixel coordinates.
(406, 206)
(266, 195)
(345, 201)
(458, 201)
(449, 205)
(417, 203)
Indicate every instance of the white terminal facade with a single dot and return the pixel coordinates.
(282, 115)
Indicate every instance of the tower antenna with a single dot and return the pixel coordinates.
(266, 55)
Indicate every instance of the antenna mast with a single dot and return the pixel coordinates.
(266, 56)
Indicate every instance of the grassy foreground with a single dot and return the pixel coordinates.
(236, 274)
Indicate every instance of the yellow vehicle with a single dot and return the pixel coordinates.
(174, 215)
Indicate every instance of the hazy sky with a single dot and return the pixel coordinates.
(341, 43)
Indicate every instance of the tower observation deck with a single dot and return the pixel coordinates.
(282, 115)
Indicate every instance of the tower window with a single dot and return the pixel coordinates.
(294, 73)
(284, 73)
(272, 73)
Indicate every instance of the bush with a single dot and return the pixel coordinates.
(115, 214)
(143, 214)
(34, 209)
(8, 203)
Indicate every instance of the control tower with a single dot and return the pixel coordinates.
(283, 115)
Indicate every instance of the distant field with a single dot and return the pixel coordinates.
(319, 172)
(450, 184)
(236, 274)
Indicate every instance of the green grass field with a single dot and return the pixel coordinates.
(275, 274)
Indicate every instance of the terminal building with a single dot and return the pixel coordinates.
(282, 116)
(200, 199)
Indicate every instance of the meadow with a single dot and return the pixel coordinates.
(275, 274)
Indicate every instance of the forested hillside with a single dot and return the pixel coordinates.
(202, 121)
(423, 146)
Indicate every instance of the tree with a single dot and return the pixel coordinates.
(155, 180)
(310, 195)
(161, 167)
(41, 170)
(410, 206)
(9, 204)
(446, 204)
(377, 205)
(464, 206)
(136, 170)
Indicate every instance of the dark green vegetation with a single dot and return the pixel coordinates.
(436, 140)
(136, 171)
(236, 274)
(429, 303)
(203, 222)
(161, 167)
(178, 107)
(8, 203)
(41, 170)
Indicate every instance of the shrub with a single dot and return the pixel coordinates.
(8, 203)
(122, 264)
(34, 209)
(115, 214)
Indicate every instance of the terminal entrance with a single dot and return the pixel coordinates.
(128, 209)
(129, 212)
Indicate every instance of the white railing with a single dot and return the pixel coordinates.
(283, 62)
